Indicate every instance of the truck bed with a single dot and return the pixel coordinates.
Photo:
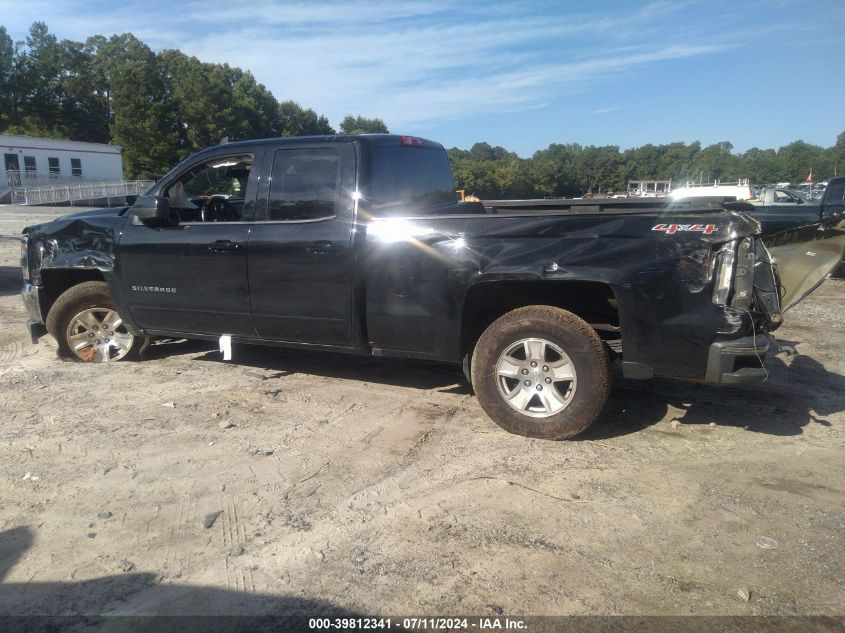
(602, 206)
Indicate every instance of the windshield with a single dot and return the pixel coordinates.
(789, 196)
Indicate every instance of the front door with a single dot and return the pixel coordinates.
(301, 267)
(189, 275)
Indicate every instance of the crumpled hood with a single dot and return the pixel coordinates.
(98, 217)
(95, 216)
(96, 213)
(86, 239)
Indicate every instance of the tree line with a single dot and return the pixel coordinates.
(161, 107)
(573, 170)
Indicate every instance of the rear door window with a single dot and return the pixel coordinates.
(304, 184)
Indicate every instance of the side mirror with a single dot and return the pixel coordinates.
(150, 208)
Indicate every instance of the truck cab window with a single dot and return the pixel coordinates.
(213, 191)
(304, 184)
(410, 180)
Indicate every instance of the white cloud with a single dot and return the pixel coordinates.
(605, 110)
(407, 62)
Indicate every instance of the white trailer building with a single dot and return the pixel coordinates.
(52, 171)
(29, 161)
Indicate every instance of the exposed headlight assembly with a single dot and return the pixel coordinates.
(38, 251)
(25, 257)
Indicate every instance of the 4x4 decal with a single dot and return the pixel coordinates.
(671, 229)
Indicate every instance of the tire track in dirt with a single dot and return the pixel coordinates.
(234, 538)
(178, 557)
(10, 352)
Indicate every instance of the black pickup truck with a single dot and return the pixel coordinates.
(359, 244)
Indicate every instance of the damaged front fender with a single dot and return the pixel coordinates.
(71, 249)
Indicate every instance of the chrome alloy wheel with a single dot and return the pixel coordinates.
(98, 335)
(536, 377)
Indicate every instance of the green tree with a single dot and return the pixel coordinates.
(362, 125)
(837, 156)
(759, 165)
(797, 159)
(201, 99)
(715, 162)
(142, 113)
(8, 53)
(255, 110)
(294, 120)
(677, 160)
(596, 168)
(53, 89)
(37, 85)
(483, 151)
(557, 169)
(84, 106)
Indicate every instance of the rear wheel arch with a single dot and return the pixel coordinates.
(541, 371)
(484, 302)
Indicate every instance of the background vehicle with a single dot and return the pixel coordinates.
(738, 190)
(806, 236)
(359, 244)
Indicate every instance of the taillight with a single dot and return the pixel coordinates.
(766, 286)
(725, 260)
(411, 140)
(744, 277)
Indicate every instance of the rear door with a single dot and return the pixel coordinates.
(301, 263)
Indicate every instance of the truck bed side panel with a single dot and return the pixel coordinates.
(419, 270)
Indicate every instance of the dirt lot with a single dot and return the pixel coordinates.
(380, 487)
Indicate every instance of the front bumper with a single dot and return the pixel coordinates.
(32, 302)
(739, 361)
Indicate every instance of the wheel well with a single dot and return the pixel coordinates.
(56, 280)
(592, 301)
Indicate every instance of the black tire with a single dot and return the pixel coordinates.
(582, 349)
(90, 295)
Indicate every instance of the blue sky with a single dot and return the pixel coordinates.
(517, 74)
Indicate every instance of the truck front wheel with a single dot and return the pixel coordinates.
(87, 327)
(542, 372)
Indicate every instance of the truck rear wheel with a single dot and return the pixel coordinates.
(542, 372)
(87, 327)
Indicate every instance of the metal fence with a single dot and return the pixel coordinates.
(28, 178)
(80, 190)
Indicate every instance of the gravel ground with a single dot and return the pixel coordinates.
(379, 486)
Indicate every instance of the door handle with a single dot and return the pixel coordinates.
(221, 246)
(321, 247)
